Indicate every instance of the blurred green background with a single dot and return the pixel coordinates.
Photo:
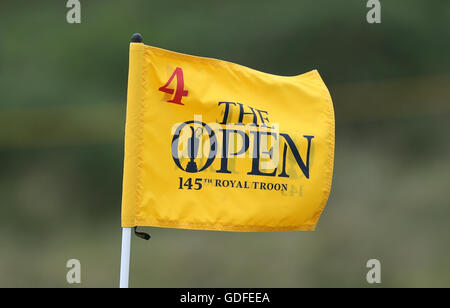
(62, 115)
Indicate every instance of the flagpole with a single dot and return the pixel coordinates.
(126, 232)
(125, 258)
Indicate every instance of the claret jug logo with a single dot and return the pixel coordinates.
(196, 145)
(193, 133)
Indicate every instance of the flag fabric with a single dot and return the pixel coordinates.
(213, 145)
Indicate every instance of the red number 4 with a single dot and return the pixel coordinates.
(180, 91)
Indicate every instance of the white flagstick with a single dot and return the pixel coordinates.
(125, 258)
(126, 232)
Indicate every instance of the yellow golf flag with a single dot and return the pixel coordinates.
(212, 145)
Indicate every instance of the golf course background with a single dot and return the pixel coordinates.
(62, 116)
